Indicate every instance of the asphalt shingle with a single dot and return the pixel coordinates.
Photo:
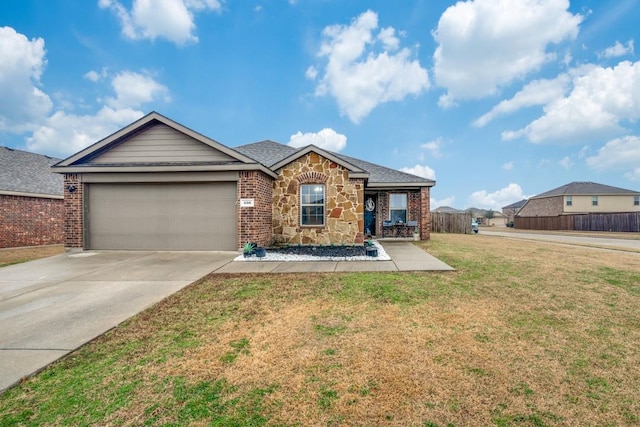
(585, 188)
(270, 152)
(24, 172)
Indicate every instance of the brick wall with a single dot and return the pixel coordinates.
(418, 210)
(425, 213)
(73, 213)
(548, 206)
(254, 223)
(30, 221)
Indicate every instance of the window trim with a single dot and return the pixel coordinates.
(636, 200)
(323, 204)
(569, 200)
(406, 206)
(594, 200)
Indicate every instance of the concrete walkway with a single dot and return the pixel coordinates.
(405, 256)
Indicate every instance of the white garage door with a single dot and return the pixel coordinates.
(162, 216)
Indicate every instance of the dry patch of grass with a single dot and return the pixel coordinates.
(522, 334)
(18, 255)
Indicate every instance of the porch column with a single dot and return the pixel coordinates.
(425, 213)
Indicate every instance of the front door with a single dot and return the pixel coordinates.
(370, 205)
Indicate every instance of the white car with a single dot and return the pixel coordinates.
(474, 226)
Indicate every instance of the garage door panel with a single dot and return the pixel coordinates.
(163, 216)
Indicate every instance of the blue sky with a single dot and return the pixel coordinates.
(494, 99)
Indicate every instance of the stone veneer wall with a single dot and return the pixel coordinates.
(344, 203)
(254, 224)
(73, 212)
(30, 221)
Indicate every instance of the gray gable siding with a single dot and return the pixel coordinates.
(160, 144)
(24, 172)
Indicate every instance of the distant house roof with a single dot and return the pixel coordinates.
(585, 189)
(28, 174)
(447, 209)
(270, 153)
(516, 205)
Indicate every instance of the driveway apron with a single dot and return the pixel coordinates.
(52, 306)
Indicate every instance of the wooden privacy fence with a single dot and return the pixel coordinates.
(619, 222)
(444, 222)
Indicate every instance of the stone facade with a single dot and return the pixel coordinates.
(254, 223)
(30, 221)
(344, 203)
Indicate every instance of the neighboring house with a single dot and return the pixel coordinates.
(156, 184)
(499, 219)
(447, 209)
(31, 202)
(511, 210)
(581, 198)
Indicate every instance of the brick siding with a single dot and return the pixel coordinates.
(73, 213)
(254, 223)
(30, 221)
(548, 206)
(418, 210)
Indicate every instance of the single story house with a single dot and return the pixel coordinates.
(31, 200)
(159, 185)
(581, 198)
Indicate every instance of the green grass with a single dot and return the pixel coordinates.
(522, 334)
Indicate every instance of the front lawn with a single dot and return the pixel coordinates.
(523, 334)
(17, 255)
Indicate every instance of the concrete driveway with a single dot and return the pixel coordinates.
(52, 306)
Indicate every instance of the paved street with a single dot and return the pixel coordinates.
(602, 242)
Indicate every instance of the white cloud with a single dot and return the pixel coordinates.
(433, 147)
(311, 73)
(447, 201)
(566, 162)
(420, 170)
(26, 109)
(96, 76)
(536, 92)
(134, 89)
(507, 166)
(496, 200)
(600, 99)
(617, 154)
(359, 77)
(327, 139)
(633, 175)
(618, 49)
(172, 20)
(484, 45)
(23, 105)
(63, 134)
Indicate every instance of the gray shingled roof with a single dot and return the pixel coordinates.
(516, 205)
(270, 152)
(24, 172)
(585, 188)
